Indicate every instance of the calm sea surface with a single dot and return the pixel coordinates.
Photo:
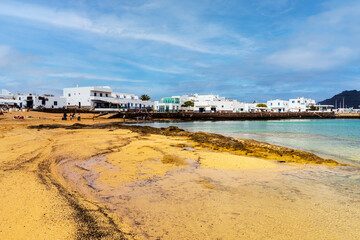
(338, 139)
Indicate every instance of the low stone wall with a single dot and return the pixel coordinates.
(348, 115)
(189, 116)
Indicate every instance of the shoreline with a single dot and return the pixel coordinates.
(214, 142)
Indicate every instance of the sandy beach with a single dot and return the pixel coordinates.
(104, 180)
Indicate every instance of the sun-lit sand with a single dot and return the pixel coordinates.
(115, 183)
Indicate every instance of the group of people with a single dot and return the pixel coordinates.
(143, 118)
(71, 116)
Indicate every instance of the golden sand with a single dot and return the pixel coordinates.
(114, 183)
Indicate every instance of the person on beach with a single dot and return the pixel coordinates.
(79, 117)
(64, 116)
(124, 117)
(71, 116)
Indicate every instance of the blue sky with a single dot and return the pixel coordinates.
(246, 50)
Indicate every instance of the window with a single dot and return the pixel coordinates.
(55, 103)
(106, 95)
(69, 94)
(278, 104)
(100, 94)
(270, 104)
(95, 94)
(293, 101)
(19, 98)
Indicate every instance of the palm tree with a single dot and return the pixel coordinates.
(145, 97)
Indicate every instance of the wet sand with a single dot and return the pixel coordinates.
(122, 184)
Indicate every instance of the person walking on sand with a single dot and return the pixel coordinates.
(124, 117)
(79, 117)
(65, 116)
(71, 116)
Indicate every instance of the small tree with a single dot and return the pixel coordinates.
(188, 104)
(145, 97)
(261, 105)
(313, 108)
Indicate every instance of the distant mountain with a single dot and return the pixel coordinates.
(351, 99)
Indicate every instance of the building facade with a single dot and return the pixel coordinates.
(36, 101)
(200, 103)
(103, 99)
(278, 105)
(300, 104)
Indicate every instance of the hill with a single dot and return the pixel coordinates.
(351, 99)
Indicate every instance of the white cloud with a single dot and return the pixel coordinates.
(275, 7)
(10, 58)
(325, 41)
(92, 77)
(172, 70)
(310, 59)
(50, 16)
(190, 33)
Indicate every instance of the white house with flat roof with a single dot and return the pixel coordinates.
(85, 97)
(278, 105)
(300, 104)
(170, 104)
(37, 101)
(102, 98)
(244, 107)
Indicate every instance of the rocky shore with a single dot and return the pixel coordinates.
(214, 142)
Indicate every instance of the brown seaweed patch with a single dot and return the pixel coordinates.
(215, 142)
(172, 159)
(208, 183)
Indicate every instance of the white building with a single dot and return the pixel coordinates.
(300, 104)
(7, 98)
(278, 105)
(35, 101)
(170, 104)
(30, 100)
(103, 99)
(244, 107)
(5, 94)
(201, 103)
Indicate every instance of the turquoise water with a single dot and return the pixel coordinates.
(338, 139)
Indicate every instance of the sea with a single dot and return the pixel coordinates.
(338, 139)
